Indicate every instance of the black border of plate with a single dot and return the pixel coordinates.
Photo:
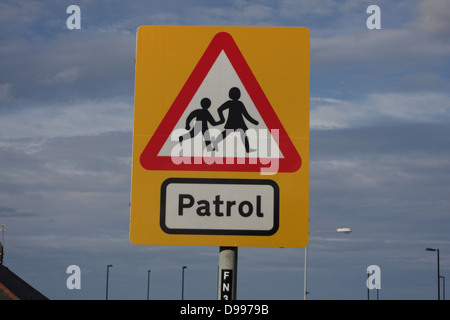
(276, 208)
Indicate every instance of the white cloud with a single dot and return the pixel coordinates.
(329, 113)
(389, 171)
(434, 18)
(80, 118)
(243, 13)
(423, 107)
(20, 15)
(5, 92)
(164, 18)
(293, 9)
(385, 49)
(67, 75)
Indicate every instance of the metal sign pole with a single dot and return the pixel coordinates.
(227, 273)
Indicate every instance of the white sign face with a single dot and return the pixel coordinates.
(219, 206)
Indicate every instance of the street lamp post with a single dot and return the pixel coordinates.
(438, 273)
(2, 244)
(3, 228)
(107, 279)
(443, 287)
(148, 284)
(339, 230)
(182, 282)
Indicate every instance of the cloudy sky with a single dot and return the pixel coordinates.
(379, 150)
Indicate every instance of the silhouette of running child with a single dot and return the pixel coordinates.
(236, 114)
(202, 117)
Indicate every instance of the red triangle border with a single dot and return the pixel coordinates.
(149, 158)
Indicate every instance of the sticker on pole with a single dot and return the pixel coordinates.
(221, 120)
(219, 206)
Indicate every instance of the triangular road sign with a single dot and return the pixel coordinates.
(221, 68)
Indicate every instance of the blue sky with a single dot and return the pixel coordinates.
(379, 150)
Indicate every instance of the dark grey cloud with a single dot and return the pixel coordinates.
(67, 167)
(390, 138)
(7, 212)
(407, 163)
(69, 67)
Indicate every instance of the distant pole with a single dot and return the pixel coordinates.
(227, 273)
(182, 282)
(368, 290)
(438, 272)
(148, 284)
(2, 244)
(338, 230)
(439, 276)
(304, 274)
(3, 227)
(107, 279)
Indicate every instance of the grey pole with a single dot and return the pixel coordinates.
(439, 276)
(2, 244)
(438, 272)
(228, 257)
(107, 279)
(368, 290)
(304, 274)
(182, 283)
(148, 284)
